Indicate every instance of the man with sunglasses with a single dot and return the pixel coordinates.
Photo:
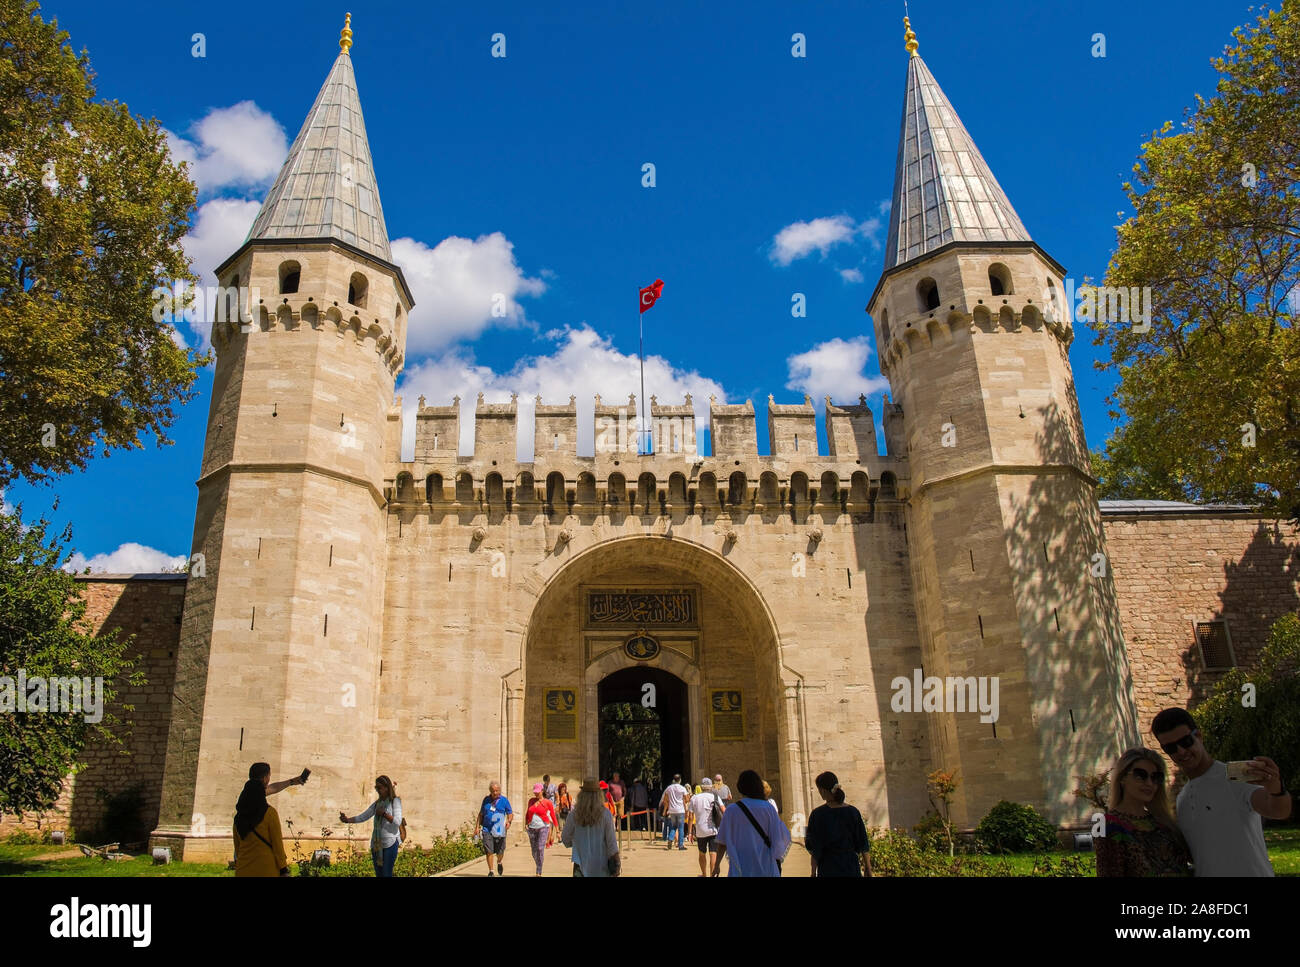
(1220, 818)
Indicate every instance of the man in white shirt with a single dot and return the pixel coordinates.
(702, 805)
(1221, 818)
(673, 806)
(751, 832)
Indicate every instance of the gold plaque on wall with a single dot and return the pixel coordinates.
(560, 715)
(635, 609)
(726, 715)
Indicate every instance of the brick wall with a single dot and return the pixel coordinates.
(1172, 570)
(147, 607)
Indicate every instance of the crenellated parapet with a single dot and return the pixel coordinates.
(675, 480)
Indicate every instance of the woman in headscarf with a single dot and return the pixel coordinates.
(259, 848)
(590, 832)
(386, 836)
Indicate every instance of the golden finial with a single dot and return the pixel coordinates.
(345, 38)
(909, 36)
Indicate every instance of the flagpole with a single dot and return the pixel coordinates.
(640, 318)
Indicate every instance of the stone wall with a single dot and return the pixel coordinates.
(148, 607)
(1176, 568)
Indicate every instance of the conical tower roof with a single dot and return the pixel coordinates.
(327, 187)
(944, 190)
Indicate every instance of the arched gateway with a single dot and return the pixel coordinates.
(667, 634)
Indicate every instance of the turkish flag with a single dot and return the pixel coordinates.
(650, 293)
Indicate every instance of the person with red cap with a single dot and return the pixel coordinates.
(609, 799)
(542, 823)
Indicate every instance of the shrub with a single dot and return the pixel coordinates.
(1014, 828)
(445, 852)
(931, 833)
(894, 853)
(21, 837)
(1272, 726)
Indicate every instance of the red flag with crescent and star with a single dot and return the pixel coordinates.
(651, 293)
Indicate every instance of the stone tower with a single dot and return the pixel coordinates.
(1004, 533)
(280, 657)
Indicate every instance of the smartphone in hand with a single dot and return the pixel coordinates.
(1237, 770)
(303, 778)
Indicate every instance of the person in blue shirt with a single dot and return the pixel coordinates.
(493, 820)
(751, 835)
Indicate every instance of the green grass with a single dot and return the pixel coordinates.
(1284, 850)
(22, 861)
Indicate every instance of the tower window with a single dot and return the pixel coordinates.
(290, 272)
(884, 324)
(1000, 279)
(357, 286)
(927, 295)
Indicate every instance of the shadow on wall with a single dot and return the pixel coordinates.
(1076, 663)
(1258, 589)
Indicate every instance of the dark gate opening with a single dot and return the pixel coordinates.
(644, 726)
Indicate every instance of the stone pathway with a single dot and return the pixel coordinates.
(641, 857)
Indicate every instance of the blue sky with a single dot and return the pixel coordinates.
(523, 175)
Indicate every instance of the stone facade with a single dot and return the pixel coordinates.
(148, 608)
(1177, 567)
(458, 618)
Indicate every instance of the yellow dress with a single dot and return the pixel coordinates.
(253, 857)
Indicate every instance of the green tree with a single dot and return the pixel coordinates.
(1210, 394)
(92, 212)
(44, 633)
(1271, 725)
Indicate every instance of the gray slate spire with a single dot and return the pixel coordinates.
(327, 188)
(943, 189)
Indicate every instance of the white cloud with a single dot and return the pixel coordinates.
(802, 238)
(834, 368)
(462, 287)
(236, 146)
(870, 230)
(582, 364)
(130, 558)
(851, 275)
(219, 227)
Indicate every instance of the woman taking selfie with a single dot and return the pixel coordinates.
(259, 849)
(386, 836)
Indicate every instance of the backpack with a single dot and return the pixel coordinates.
(715, 812)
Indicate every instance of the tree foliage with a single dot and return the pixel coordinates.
(1271, 726)
(44, 633)
(92, 212)
(1211, 394)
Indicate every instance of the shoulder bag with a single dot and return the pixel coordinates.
(767, 841)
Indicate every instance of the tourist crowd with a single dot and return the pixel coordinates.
(1214, 829)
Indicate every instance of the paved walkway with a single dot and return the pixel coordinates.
(641, 857)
